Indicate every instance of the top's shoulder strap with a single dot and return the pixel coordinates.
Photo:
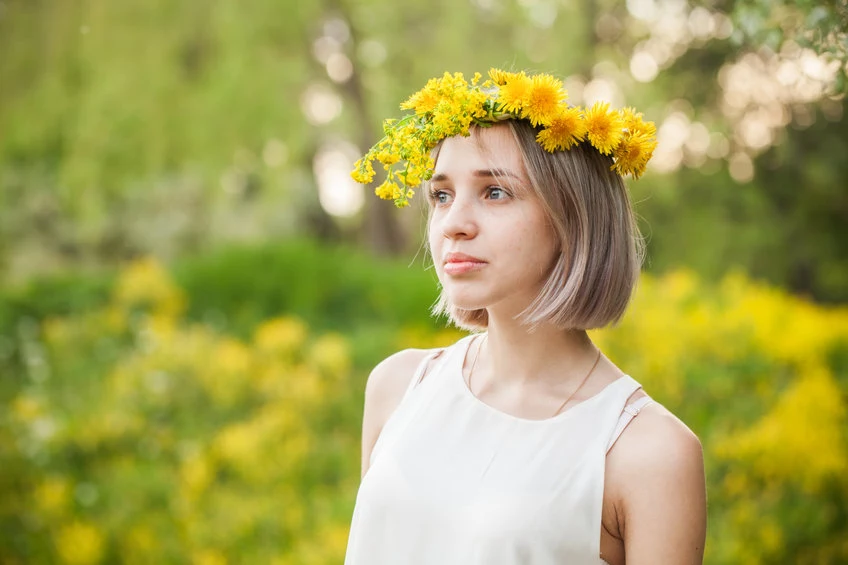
(422, 368)
(630, 411)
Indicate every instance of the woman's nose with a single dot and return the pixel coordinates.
(459, 220)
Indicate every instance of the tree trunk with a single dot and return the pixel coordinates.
(381, 234)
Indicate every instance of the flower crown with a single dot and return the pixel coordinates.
(447, 106)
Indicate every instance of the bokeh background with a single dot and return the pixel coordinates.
(194, 290)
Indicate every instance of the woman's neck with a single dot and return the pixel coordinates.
(513, 355)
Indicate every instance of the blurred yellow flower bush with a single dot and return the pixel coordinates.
(187, 445)
(142, 435)
(762, 377)
(78, 543)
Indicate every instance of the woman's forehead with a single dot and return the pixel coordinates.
(491, 148)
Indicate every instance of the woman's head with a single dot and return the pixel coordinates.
(559, 239)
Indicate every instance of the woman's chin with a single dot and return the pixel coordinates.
(457, 300)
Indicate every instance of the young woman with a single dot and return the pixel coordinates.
(520, 444)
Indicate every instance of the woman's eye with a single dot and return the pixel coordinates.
(497, 193)
(439, 196)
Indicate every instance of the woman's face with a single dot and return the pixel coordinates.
(489, 236)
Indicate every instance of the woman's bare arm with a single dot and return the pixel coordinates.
(659, 466)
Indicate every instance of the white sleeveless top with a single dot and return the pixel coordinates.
(454, 481)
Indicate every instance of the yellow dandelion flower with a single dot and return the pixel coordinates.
(476, 78)
(634, 123)
(425, 99)
(424, 102)
(633, 153)
(565, 130)
(604, 128)
(629, 115)
(544, 100)
(513, 94)
(500, 77)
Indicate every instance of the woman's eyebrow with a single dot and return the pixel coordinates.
(491, 173)
(481, 173)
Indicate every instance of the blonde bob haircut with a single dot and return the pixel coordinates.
(588, 205)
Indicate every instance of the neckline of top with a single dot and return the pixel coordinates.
(462, 353)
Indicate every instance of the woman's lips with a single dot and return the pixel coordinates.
(462, 267)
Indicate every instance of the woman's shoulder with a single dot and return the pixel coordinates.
(391, 376)
(655, 472)
(655, 442)
(390, 379)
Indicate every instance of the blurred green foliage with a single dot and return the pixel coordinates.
(293, 276)
(168, 128)
(819, 24)
(235, 288)
(132, 430)
(786, 226)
